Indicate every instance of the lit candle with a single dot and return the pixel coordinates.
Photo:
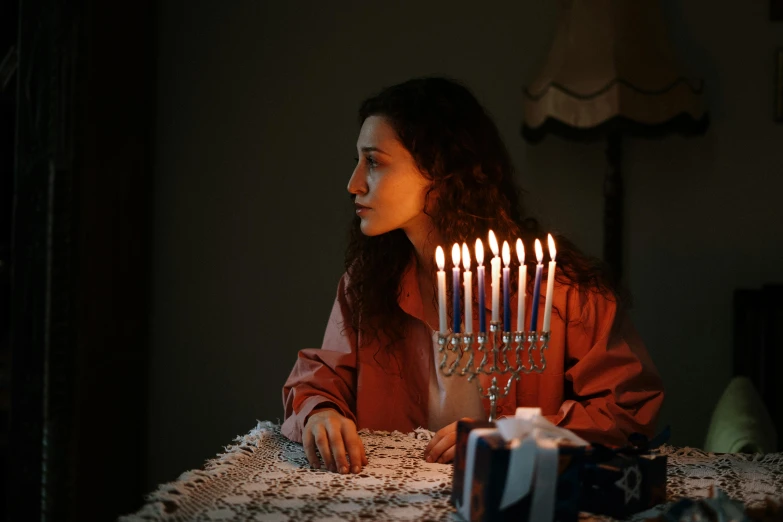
(550, 284)
(480, 274)
(506, 302)
(522, 288)
(468, 276)
(536, 286)
(493, 245)
(455, 286)
(440, 259)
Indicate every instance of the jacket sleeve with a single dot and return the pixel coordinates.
(612, 387)
(325, 376)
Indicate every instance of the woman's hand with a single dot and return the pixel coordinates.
(334, 436)
(443, 445)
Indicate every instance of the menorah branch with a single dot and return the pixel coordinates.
(502, 354)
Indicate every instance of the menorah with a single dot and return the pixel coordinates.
(494, 348)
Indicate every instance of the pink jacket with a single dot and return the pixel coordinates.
(599, 381)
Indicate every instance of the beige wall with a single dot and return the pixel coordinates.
(256, 133)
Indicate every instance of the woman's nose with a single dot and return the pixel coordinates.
(358, 183)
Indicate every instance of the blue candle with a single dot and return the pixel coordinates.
(480, 272)
(506, 300)
(455, 285)
(536, 286)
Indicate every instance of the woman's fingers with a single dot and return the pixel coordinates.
(354, 446)
(448, 455)
(442, 447)
(438, 439)
(324, 447)
(308, 441)
(338, 448)
(434, 441)
(336, 439)
(446, 441)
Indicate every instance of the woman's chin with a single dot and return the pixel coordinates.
(369, 230)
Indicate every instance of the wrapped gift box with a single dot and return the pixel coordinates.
(621, 484)
(596, 479)
(460, 456)
(490, 472)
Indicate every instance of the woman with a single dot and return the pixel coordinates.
(432, 170)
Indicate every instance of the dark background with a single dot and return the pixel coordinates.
(180, 211)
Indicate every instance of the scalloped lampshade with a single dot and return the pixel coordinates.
(611, 65)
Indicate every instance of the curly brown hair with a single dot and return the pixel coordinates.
(456, 146)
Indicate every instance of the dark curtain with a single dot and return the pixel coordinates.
(80, 259)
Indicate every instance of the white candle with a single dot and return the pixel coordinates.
(506, 287)
(468, 289)
(480, 274)
(495, 263)
(455, 255)
(440, 259)
(550, 284)
(522, 288)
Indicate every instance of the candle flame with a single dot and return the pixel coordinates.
(520, 252)
(466, 256)
(552, 249)
(440, 259)
(493, 243)
(479, 252)
(506, 254)
(539, 252)
(455, 254)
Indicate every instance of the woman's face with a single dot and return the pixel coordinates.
(390, 190)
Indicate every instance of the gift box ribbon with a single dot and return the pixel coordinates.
(533, 455)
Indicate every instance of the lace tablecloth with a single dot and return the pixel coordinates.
(266, 477)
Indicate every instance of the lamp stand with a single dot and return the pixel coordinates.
(613, 205)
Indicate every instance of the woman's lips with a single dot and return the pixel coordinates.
(361, 209)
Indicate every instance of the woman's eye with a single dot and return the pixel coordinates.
(369, 159)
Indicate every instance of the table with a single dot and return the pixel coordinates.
(266, 477)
